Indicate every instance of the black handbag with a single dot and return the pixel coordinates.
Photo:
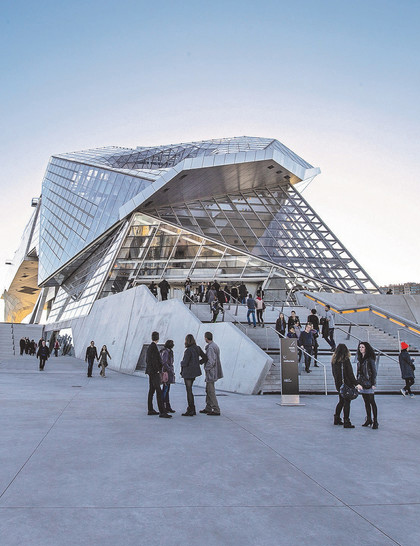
(348, 393)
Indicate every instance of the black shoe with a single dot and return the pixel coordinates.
(367, 423)
(188, 414)
(153, 412)
(170, 410)
(165, 416)
(308, 371)
(375, 425)
(347, 424)
(316, 366)
(337, 420)
(204, 411)
(213, 413)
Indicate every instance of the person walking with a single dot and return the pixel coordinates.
(260, 305)
(213, 370)
(190, 369)
(306, 340)
(153, 370)
(91, 354)
(343, 375)
(281, 325)
(314, 320)
(366, 378)
(43, 355)
(329, 317)
(250, 302)
(201, 292)
(211, 296)
(22, 345)
(103, 360)
(56, 348)
(295, 322)
(164, 289)
(243, 292)
(167, 356)
(234, 294)
(153, 288)
(407, 369)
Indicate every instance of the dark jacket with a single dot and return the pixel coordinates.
(251, 304)
(366, 372)
(314, 320)
(406, 365)
(281, 325)
(190, 364)
(103, 357)
(153, 359)
(306, 339)
(91, 353)
(293, 322)
(43, 352)
(167, 356)
(164, 286)
(343, 370)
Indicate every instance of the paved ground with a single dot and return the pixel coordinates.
(82, 464)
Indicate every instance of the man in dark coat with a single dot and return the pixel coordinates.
(407, 369)
(243, 292)
(153, 369)
(306, 340)
(43, 354)
(91, 354)
(22, 345)
(164, 289)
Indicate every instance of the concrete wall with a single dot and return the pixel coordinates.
(124, 323)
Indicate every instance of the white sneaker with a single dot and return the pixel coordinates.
(411, 395)
(403, 392)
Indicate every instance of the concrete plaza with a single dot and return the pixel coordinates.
(82, 464)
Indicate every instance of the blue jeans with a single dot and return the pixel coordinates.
(251, 312)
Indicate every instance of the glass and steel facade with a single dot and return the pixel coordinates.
(226, 209)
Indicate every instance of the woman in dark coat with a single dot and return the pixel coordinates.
(366, 377)
(281, 325)
(190, 369)
(103, 360)
(343, 374)
(167, 356)
(407, 369)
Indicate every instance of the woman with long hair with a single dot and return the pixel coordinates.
(190, 369)
(167, 356)
(281, 325)
(103, 362)
(366, 377)
(343, 375)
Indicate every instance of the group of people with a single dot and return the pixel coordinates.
(161, 372)
(308, 337)
(40, 349)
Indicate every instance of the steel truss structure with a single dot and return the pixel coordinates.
(225, 209)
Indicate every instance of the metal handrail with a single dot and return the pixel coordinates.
(374, 348)
(305, 352)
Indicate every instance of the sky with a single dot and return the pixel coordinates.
(336, 81)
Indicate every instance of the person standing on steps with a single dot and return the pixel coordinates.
(242, 292)
(343, 375)
(56, 348)
(407, 369)
(366, 377)
(213, 370)
(190, 369)
(153, 369)
(43, 355)
(91, 354)
(103, 362)
(281, 325)
(329, 317)
(22, 345)
(164, 289)
(250, 302)
(167, 356)
(260, 305)
(306, 340)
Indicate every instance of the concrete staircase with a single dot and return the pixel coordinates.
(6, 341)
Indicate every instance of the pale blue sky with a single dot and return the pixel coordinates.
(336, 81)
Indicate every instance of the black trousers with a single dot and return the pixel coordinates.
(42, 362)
(260, 316)
(307, 357)
(408, 383)
(342, 403)
(90, 366)
(370, 405)
(190, 396)
(154, 387)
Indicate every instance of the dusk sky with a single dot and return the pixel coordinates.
(338, 82)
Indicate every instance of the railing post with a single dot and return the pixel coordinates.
(325, 381)
(348, 335)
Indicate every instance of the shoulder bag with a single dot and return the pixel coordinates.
(348, 393)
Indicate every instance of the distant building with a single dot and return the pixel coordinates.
(410, 288)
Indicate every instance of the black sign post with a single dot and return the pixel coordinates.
(289, 372)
